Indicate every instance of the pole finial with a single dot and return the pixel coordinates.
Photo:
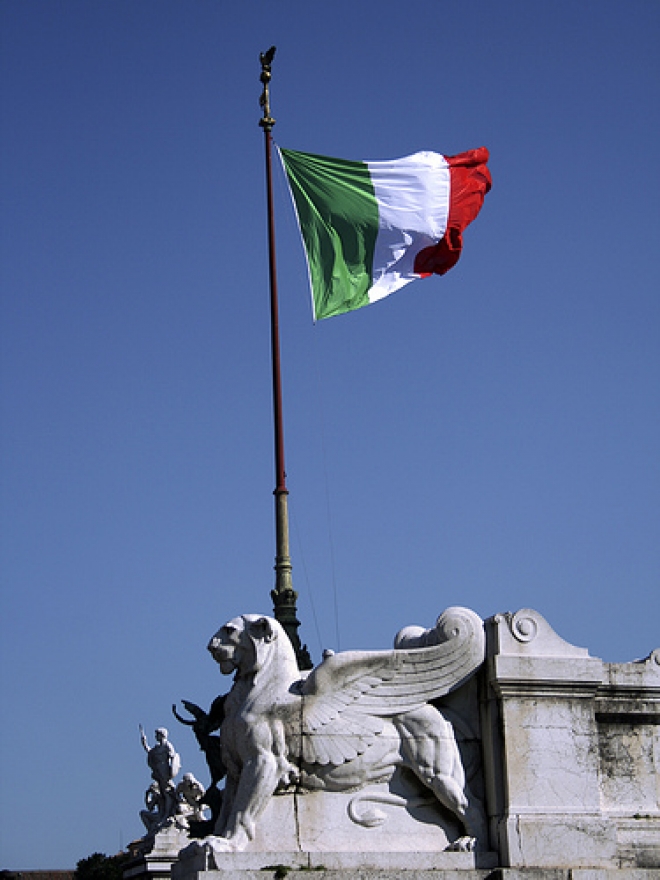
(266, 58)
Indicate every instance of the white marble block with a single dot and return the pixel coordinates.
(552, 797)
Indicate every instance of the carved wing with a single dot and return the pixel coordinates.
(347, 697)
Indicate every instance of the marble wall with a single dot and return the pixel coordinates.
(571, 751)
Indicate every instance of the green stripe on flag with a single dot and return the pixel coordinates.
(338, 216)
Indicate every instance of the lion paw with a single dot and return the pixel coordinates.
(288, 780)
(288, 774)
(463, 844)
(220, 845)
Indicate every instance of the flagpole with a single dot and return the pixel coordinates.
(283, 595)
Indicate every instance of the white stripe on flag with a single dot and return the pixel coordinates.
(413, 204)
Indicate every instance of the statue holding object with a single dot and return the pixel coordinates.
(205, 726)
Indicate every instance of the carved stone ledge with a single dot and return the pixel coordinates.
(470, 866)
(545, 677)
(528, 634)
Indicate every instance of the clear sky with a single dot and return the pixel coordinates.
(488, 439)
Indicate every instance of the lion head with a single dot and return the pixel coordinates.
(246, 643)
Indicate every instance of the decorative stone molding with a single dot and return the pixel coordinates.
(571, 743)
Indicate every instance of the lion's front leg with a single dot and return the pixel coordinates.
(228, 797)
(257, 783)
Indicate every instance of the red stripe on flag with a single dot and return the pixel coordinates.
(470, 180)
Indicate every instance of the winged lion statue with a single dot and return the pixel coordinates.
(355, 719)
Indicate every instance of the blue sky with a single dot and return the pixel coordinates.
(488, 439)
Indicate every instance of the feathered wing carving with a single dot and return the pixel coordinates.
(348, 696)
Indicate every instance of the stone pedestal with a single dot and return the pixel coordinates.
(573, 751)
(397, 817)
(389, 826)
(545, 690)
(281, 871)
(154, 856)
(359, 865)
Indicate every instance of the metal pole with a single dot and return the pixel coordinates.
(283, 595)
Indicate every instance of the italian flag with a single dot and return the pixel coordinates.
(369, 228)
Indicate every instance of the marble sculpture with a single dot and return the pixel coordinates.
(356, 719)
(164, 763)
